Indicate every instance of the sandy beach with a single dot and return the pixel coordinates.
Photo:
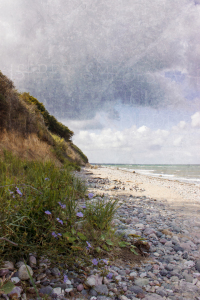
(184, 197)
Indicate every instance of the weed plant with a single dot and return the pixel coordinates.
(99, 214)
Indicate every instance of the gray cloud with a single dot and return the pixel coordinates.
(81, 57)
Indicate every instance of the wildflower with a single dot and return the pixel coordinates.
(83, 206)
(60, 221)
(47, 212)
(79, 214)
(59, 234)
(54, 234)
(46, 178)
(18, 191)
(95, 262)
(88, 245)
(90, 195)
(110, 275)
(105, 261)
(65, 278)
(62, 205)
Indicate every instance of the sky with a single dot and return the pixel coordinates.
(124, 75)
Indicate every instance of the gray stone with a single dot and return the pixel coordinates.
(92, 292)
(4, 272)
(46, 290)
(153, 297)
(178, 248)
(197, 265)
(101, 289)
(103, 298)
(8, 265)
(141, 281)
(55, 272)
(23, 273)
(94, 280)
(135, 289)
(149, 231)
(32, 260)
(19, 264)
(188, 278)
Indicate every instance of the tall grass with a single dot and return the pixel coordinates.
(28, 189)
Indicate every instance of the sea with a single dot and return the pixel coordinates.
(183, 173)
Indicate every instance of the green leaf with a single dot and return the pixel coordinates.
(133, 250)
(98, 249)
(8, 287)
(105, 248)
(71, 239)
(122, 244)
(73, 231)
(109, 242)
(67, 234)
(103, 237)
(81, 236)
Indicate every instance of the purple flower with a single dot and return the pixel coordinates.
(90, 195)
(54, 234)
(95, 262)
(59, 234)
(46, 178)
(47, 212)
(18, 191)
(65, 278)
(105, 261)
(62, 205)
(88, 245)
(79, 214)
(110, 275)
(83, 206)
(60, 221)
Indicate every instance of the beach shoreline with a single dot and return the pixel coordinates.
(182, 196)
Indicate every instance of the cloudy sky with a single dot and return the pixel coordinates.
(124, 75)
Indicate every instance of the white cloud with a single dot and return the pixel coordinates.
(178, 141)
(182, 124)
(196, 119)
(141, 145)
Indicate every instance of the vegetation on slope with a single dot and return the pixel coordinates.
(25, 115)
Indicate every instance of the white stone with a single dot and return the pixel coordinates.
(58, 291)
(68, 290)
(119, 277)
(15, 279)
(133, 274)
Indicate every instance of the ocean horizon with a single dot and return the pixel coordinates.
(186, 173)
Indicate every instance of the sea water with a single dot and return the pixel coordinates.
(184, 173)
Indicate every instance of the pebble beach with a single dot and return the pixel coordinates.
(164, 212)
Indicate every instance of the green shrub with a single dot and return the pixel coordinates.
(52, 124)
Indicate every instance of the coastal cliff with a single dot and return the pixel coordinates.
(29, 131)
